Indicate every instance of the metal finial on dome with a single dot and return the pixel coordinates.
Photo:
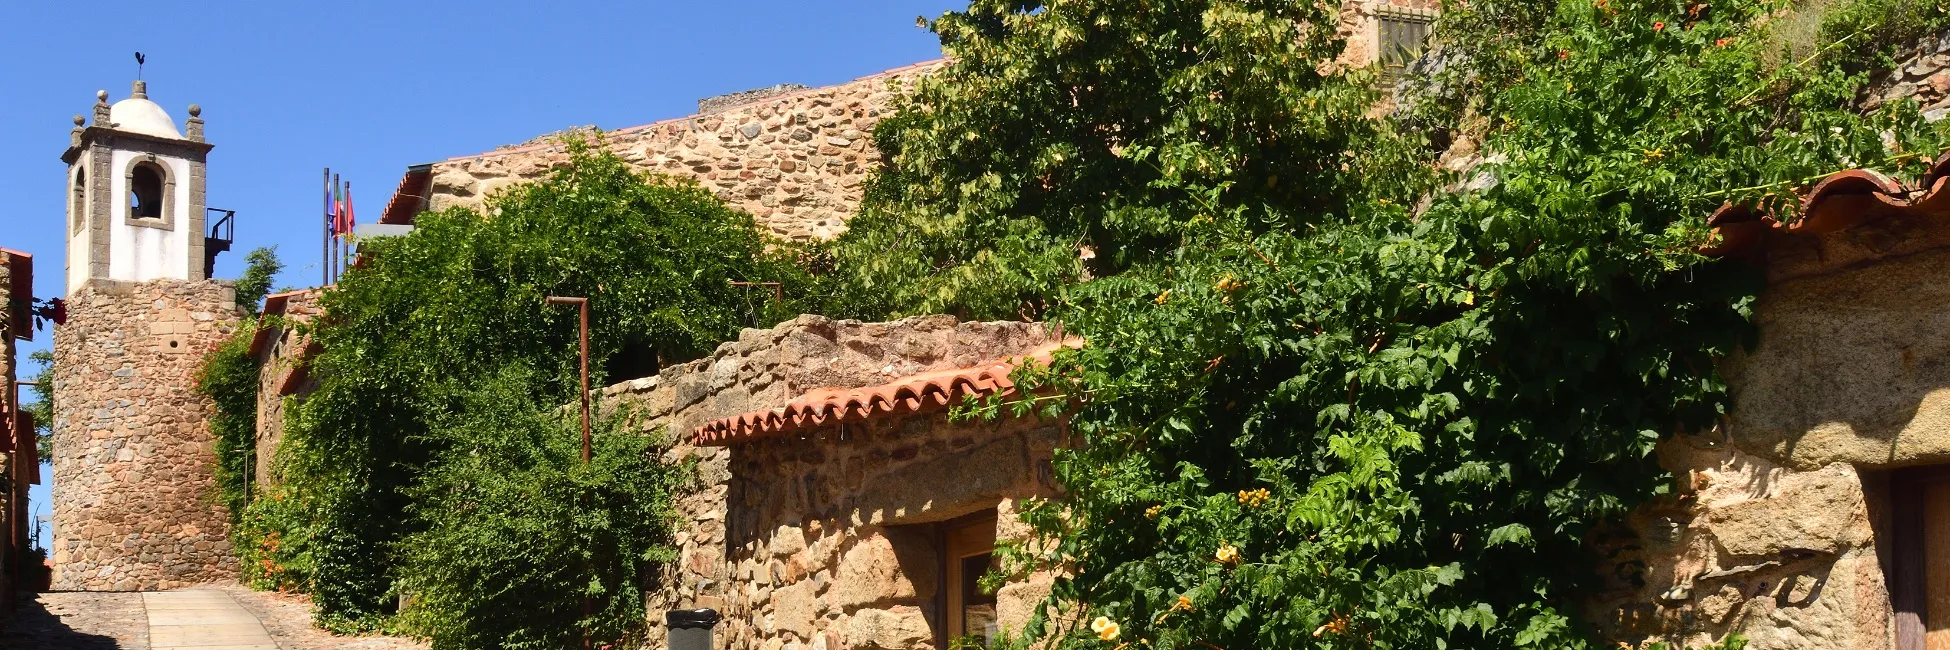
(139, 90)
(101, 96)
(196, 110)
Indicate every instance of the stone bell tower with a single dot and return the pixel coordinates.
(135, 502)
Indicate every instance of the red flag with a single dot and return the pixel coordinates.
(350, 220)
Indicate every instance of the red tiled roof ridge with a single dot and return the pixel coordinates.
(400, 209)
(918, 393)
(274, 305)
(1841, 200)
(666, 122)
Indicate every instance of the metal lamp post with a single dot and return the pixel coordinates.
(582, 306)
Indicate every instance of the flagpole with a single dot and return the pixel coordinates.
(325, 241)
(335, 227)
(349, 242)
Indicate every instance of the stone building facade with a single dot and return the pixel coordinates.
(1815, 515)
(134, 501)
(832, 536)
(19, 460)
(796, 161)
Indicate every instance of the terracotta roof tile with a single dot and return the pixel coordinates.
(410, 197)
(928, 391)
(274, 305)
(22, 289)
(1840, 201)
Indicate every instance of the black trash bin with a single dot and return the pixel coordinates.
(690, 629)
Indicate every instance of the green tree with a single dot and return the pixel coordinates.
(1081, 139)
(431, 314)
(261, 267)
(1371, 413)
(42, 405)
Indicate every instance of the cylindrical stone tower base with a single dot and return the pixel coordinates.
(135, 504)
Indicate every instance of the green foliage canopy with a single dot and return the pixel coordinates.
(1078, 140)
(519, 532)
(427, 317)
(1372, 405)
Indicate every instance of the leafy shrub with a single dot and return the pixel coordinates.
(229, 378)
(417, 327)
(1359, 412)
(519, 532)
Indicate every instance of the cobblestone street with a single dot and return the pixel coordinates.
(212, 618)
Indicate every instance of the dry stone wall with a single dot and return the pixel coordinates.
(796, 161)
(1923, 75)
(134, 493)
(725, 537)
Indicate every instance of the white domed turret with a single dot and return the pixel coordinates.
(139, 115)
(136, 195)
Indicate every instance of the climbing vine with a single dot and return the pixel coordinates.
(1355, 378)
(398, 437)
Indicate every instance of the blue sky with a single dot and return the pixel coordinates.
(369, 87)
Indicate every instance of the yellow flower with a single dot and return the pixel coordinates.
(1153, 512)
(1227, 554)
(1162, 297)
(1254, 498)
(1183, 603)
(1227, 283)
(1336, 625)
(1105, 628)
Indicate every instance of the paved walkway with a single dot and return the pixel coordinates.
(217, 617)
(202, 619)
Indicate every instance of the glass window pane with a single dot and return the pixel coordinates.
(978, 608)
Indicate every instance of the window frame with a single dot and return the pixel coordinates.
(78, 198)
(955, 539)
(166, 219)
(1408, 18)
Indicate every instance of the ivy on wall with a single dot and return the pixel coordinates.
(1334, 395)
(439, 360)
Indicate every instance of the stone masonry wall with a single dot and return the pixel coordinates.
(1780, 531)
(279, 358)
(823, 538)
(796, 161)
(134, 502)
(767, 369)
(1923, 76)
